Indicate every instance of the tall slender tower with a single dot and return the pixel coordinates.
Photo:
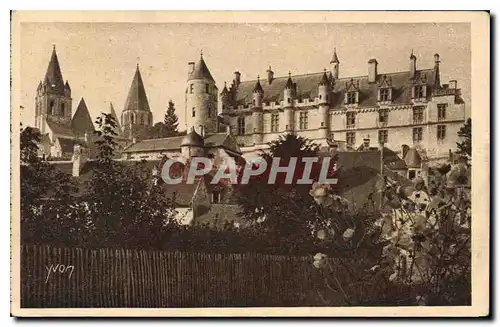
(136, 115)
(53, 96)
(201, 99)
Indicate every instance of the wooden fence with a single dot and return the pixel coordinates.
(107, 278)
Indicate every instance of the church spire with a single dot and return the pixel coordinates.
(137, 99)
(53, 77)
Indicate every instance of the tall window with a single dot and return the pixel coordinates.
(441, 132)
(275, 122)
(351, 119)
(193, 112)
(191, 88)
(419, 91)
(62, 109)
(383, 116)
(241, 125)
(384, 95)
(383, 136)
(350, 138)
(417, 134)
(52, 107)
(303, 120)
(142, 120)
(351, 97)
(207, 88)
(215, 197)
(209, 112)
(442, 111)
(132, 118)
(418, 115)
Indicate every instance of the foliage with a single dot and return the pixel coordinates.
(280, 207)
(465, 133)
(166, 128)
(425, 259)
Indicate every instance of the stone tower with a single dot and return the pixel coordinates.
(201, 99)
(53, 96)
(136, 115)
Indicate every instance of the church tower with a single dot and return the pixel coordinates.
(201, 99)
(53, 97)
(136, 115)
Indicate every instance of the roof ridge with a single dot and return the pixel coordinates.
(342, 78)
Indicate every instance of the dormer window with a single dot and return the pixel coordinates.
(351, 97)
(384, 95)
(351, 93)
(418, 91)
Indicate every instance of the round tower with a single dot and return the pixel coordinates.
(201, 99)
(257, 116)
(193, 145)
(324, 105)
(288, 104)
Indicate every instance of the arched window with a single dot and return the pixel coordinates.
(52, 107)
(132, 118)
(193, 113)
(62, 109)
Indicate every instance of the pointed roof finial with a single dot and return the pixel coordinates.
(201, 53)
(258, 77)
(53, 46)
(335, 59)
(412, 56)
(289, 73)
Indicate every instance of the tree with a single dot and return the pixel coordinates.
(465, 133)
(286, 207)
(166, 128)
(171, 120)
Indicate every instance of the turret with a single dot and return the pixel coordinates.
(413, 65)
(224, 98)
(288, 95)
(335, 64)
(193, 145)
(324, 105)
(136, 115)
(257, 117)
(201, 99)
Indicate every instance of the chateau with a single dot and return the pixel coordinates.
(411, 107)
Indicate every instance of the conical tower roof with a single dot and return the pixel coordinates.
(258, 87)
(137, 99)
(335, 59)
(324, 79)
(82, 122)
(53, 76)
(201, 71)
(112, 112)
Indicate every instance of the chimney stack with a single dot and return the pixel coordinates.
(453, 84)
(78, 160)
(372, 70)
(237, 79)
(404, 150)
(413, 65)
(270, 75)
(190, 68)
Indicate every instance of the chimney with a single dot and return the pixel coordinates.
(191, 68)
(270, 75)
(366, 142)
(413, 65)
(453, 84)
(237, 79)
(372, 70)
(79, 159)
(404, 150)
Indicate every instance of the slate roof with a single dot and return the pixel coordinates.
(192, 138)
(413, 159)
(67, 145)
(81, 121)
(201, 71)
(137, 99)
(53, 77)
(59, 127)
(306, 87)
(174, 143)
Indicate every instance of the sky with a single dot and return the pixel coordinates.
(99, 59)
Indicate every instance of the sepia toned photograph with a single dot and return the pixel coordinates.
(278, 164)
